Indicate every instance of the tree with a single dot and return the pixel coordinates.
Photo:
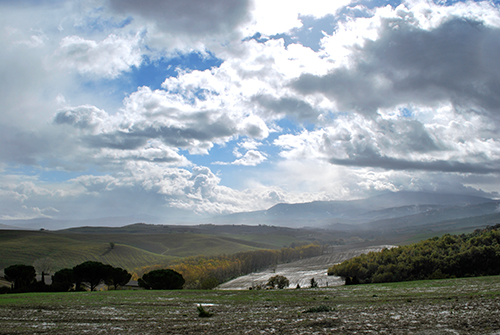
(209, 283)
(44, 266)
(21, 276)
(63, 280)
(117, 277)
(165, 279)
(91, 273)
(278, 281)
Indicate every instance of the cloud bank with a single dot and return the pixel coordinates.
(305, 101)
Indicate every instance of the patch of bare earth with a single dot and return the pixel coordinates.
(364, 309)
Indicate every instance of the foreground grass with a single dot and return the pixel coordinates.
(463, 306)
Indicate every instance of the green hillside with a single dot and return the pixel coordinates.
(134, 246)
(24, 247)
(465, 255)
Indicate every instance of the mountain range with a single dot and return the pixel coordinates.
(401, 210)
(386, 210)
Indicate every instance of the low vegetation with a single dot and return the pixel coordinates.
(474, 254)
(449, 306)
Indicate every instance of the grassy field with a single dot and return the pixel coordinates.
(131, 250)
(452, 306)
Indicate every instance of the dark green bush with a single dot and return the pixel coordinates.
(165, 279)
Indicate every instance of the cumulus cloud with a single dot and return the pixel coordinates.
(193, 17)
(82, 117)
(250, 158)
(339, 99)
(446, 142)
(452, 62)
(107, 58)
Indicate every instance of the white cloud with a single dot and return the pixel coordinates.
(447, 141)
(280, 16)
(107, 58)
(250, 158)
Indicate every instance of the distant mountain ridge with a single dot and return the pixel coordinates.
(381, 212)
(389, 206)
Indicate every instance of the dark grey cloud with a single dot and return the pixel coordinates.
(198, 129)
(196, 17)
(455, 62)
(390, 163)
(82, 117)
(290, 106)
(406, 136)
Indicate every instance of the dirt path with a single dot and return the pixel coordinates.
(301, 272)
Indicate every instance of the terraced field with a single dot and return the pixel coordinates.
(454, 306)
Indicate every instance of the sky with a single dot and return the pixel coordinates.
(157, 108)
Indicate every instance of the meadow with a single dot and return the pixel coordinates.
(131, 250)
(450, 306)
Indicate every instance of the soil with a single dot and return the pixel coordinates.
(459, 306)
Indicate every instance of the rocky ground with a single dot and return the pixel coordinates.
(459, 306)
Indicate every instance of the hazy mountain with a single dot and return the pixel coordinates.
(51, 224)
(436, 215)
(382, 207)
(4, 226)
(379, 212)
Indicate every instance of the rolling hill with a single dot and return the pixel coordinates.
(392, 218)
(141, 244)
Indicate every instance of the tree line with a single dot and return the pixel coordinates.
(193, 272)
(202, 272)
(87, 275)
(474, 254)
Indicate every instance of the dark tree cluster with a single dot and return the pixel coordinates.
(88, 275)
(474, 254)
(165, 279)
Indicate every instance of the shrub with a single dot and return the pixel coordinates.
(209, 283)
(278, 281)
(202, 313)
